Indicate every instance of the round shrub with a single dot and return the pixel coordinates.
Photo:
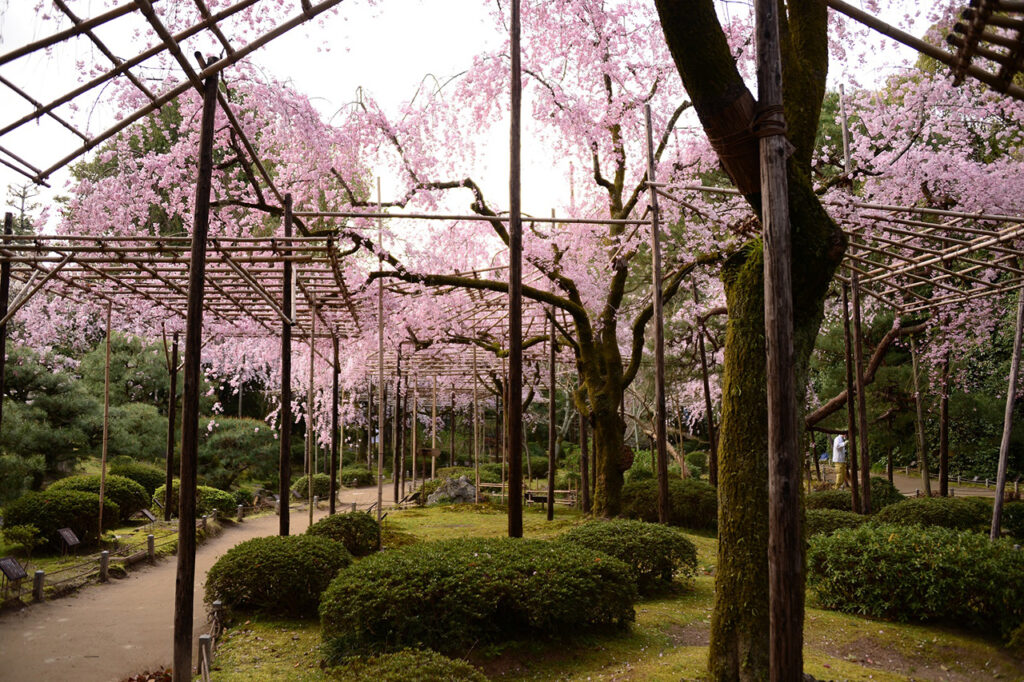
(827, 520)
(358, 531)
(52, 509)
(919, 573)
(207, 499)
(490, 472)
(1012, 520)
(884, 493)
(455, 594)
(357, 477)
(148, 476)
(694, 504)
(407, 665)
(962, 513)
(276, 575)
(321, 486)
(698, 463)
(839, 500)
(129, 496)
(538, 467)
(654, 553)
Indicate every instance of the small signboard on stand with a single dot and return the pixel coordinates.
(68, 539)
(13, 572)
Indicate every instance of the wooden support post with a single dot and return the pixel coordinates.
(944, 429)
(285, 453)
(106, 424)
(862, 409)
(709, 417)
(552, 434)
(785, 537)
(922, 452)
(151, 548)
(369, 422)
(38, 585)
(186, 570)
(851, 410)
(433, 430)
(414, 426)
(451, 432)
(5, 293)
(104, 566)
(337, 434)
(1004, 445)
(515, 290)
(584, 465)
(476, 434)
(310, 448)
(172, 406)
(380, 360)
(397, 465)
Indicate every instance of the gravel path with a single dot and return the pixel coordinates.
(108, 632)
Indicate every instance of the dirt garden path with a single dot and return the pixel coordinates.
(108, 632)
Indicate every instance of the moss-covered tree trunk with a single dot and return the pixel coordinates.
(740, 622)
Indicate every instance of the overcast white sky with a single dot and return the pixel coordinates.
(386, 50)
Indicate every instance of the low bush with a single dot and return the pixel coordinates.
(961, 513)
(129, 496)
(407, 665)
(919, 573)
(1012, 520)
(654, 553)
(694, 504)
(148, 476)
(490, 472)
(358, 531)
(52, 509)
(321, 486)
(883, 494)
(276, 575)
(426, 489)
(207, 499)
(455, 594)
(698, 463)
(357, 477)
(821, 521)
(538, 467)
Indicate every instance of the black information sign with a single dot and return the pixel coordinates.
(69, 537)
(12, 570)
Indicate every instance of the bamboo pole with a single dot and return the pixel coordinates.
(433, 430)
(551, 418)
(709, 417)
(415, 412)
(515, 292)
(106, 425)
(1004, 444)
(337, 433)
(380, 361)
(851, 409)
(922, 453)
(285, 453)
(172, 405)
(310, 449)
(396, 435)
(476, 433)
(5, 293)
(862, 409)
(186, 570)
(944, 429)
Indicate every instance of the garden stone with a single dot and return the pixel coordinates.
(460, 490)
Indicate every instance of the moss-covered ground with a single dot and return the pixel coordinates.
(669, 640)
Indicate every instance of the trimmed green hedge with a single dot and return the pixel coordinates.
(207, 499)
(129, 496)
(407, 665)
(357, 477)
(321, 486)
(961, 513)
(276, 575)
(456, 594)
(358, 531)
(698, 463)
(654, 553)
(919, 573)
(52, 509)
(883, 494)
(821, 521)
(150, 477)
(694, 504)
(1012, 521)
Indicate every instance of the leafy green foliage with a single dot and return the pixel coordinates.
(919, 573)
(25, 535)
(17, 474)
(824, 521)
(407, 665)
(207, 499)
(129, 495)
(693, 503)
(698, 463)
(276, 575)
(838, 500)
(1012, 520)
(884, 493)
(357, 477)
(654, 553)
(358, 531)
(52, 509)
(136, 430)
(148, 476)
(962, 513)
(138, 372)
(238, 448)
(321, 486)
(454, 594)
(489, 473)
(427, 489)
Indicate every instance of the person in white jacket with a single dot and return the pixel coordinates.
(839, 460)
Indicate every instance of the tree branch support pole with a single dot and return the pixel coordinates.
(380, 359)
(172, 406)
(5, 293)
(1004, 445)
(944, 429)
(397, 463)
(433, 430)
(515, 291)
(922, 453)
(552, 434)
(660, 434)
(851, 409)
(285, 455)
(413, 420)
(310, 448)
(337, 431)
(785, 551)
(106, 424)
(451, 432)
(476, 433)
(186, 574)
(709, 416)
(862, 407)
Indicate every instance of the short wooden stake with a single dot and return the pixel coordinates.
(151, 548)
(240, 513)
(104, 565)
(37, 585)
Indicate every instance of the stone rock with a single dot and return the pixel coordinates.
(454, 490)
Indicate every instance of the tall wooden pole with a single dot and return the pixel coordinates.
(851, 410)
(5, 294)
(106, 424)
(476, 433)
(369, 421)
(337, 435)
(584, 465)
(660, 434)
(551, 417)
(413, 425)
(285, 454)
(922, 452)
(451, 432)
(397, 465)
(310, 448)
(944, 429)
(785, 539)
(186, 573)
(709, 416)
(380, 359)
(515, 292)
(862, 407)
(172, 405)
(1004, 445)
(433, 430)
